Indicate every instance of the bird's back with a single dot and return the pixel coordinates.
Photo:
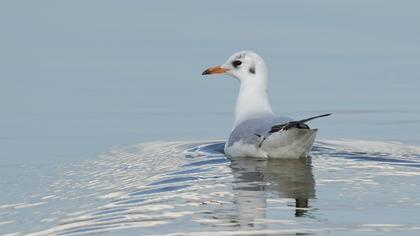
(245, 139)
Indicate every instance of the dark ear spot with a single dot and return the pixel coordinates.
(252, 69)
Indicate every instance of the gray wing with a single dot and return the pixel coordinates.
(253, 131)
(300, 124)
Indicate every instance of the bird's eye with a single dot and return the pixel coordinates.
(236, 63)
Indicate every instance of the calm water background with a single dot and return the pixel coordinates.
(80, 77)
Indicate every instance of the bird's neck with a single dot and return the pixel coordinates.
(252, 101)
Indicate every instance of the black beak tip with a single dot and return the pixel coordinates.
(206, 72)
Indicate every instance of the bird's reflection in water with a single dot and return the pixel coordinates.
(255, 181)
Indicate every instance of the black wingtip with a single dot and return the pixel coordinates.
(327, 114)
(298, 124)
(314, 117)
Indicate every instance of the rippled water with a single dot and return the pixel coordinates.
(182, 188)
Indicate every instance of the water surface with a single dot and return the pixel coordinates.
(184, 188)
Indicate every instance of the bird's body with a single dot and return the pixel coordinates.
(257, 131)
(251, 138)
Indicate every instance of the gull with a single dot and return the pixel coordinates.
(257, 131)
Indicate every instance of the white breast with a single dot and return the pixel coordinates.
(240, 149)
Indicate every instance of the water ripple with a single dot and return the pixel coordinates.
(183, 188)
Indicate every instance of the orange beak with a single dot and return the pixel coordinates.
(214, 70)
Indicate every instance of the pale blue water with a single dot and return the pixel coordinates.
(78, 79)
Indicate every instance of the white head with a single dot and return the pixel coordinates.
(244, 66)
(251, 71)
